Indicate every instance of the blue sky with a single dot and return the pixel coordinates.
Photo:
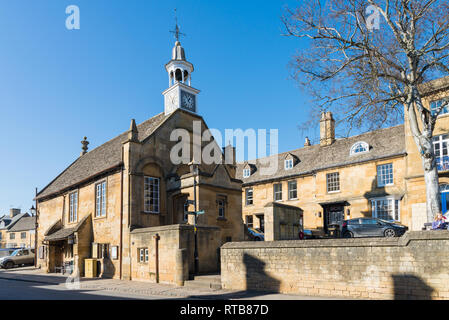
(57, 86)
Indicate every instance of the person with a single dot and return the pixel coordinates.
(439, 222)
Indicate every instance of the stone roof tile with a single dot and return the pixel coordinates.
(100, 159)
(383, 143)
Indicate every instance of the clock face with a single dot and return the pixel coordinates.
(188, 101)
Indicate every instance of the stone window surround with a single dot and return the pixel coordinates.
(384, 174)
(333, 182)
(104, 203)
(73, 215)
(158, 195)
(291, 190)
(221, 204)
(247, 197)
(277, 192)
(396, 206)
(142, 255)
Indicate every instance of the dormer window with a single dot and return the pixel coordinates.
(435, 106)
(246, 173)
(359, 147)
(288, 164)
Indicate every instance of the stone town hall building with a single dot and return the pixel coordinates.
(125, 202)
(375, 174)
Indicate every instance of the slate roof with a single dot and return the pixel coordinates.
(8, 223)
(24, 224)
(100, 159)
(64, 233)
(383, 143)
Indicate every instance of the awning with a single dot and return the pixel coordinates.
(335, 203)
(60, 234)
(65, 233)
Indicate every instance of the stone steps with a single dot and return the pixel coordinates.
(205, 282)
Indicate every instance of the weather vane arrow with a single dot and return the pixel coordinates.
(176, 32)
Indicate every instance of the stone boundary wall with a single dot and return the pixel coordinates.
(414, 266)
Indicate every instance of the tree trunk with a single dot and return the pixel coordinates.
(433, 202)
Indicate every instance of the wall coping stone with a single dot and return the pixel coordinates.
(354, 242)
(171, 227)
(277, 204)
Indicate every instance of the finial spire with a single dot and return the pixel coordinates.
(85, 143)
(133, 133)
(176, 32)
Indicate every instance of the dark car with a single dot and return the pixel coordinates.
(371, 227)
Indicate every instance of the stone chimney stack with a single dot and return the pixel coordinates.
(327, 129)
(14, 212)
(307, 143)
(229, 155)
(85, 144)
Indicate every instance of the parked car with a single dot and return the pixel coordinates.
(17, 258)
(7, 252)
(308, 234)
(256, 234)
(371, 227)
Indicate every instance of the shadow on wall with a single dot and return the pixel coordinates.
(408, 287)
(257, 278)
(373, 193)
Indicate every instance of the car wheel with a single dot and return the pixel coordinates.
(389, 233)
(348, 234)
(9, 265)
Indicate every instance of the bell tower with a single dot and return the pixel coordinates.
(180, 94)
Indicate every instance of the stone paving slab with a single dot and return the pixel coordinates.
(139, 288)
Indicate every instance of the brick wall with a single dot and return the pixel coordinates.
(414, 266)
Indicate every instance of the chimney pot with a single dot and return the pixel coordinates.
(307, 143)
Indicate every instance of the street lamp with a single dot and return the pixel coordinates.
(34, 213)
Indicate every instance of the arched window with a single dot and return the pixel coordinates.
(178, 75)
(359, 147)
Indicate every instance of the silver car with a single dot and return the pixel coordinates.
(17, 258)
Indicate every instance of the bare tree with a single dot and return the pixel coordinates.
(367, 60)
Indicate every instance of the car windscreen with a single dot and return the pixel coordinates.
(15, 253)
(387, 221)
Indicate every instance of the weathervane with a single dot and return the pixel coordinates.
(176, 32)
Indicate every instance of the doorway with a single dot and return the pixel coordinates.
(333, 216)
(444, 194)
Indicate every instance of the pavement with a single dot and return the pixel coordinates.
(30, 284)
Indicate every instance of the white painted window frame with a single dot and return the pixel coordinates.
(381, 175)
(288, 164)
(395, 201)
